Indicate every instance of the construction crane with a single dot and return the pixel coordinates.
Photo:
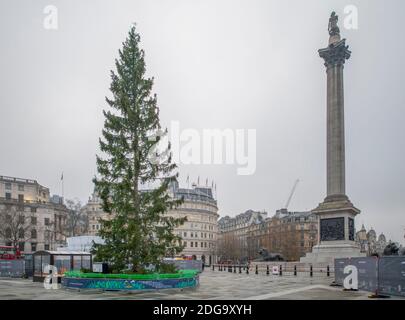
(291, 194)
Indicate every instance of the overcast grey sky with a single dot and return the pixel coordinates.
(217, 64)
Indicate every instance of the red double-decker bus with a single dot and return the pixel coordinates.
(10, 253)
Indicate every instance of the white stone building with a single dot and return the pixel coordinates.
(200, 232)
(28, 217)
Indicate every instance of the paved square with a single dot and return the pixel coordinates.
(214, 285)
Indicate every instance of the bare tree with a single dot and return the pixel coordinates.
(229, 247)
(15, 225)
(77, 222)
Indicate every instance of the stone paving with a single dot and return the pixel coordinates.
(214, 285)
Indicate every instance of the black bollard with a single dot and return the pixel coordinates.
(213, 267)
(311, 271)
(257, 270)
(267, 270)
(295, 270)
(328, 271)
(281, 270)
(240, 269)
(247, 269)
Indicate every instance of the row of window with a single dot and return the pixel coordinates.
(22, 219)
(195, 235)
(20, 197)
(194, 244)
(8, 186)
(21, 233)
(202, 226)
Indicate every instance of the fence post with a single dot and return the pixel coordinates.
(281, 270)
(267, 270)
(295, 270)
(247, 269)
(311, 272)
(234, 269)
(327, 271)
(213, 267)
(257, 269)
(240, 269)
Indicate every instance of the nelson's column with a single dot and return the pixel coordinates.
(336, 213)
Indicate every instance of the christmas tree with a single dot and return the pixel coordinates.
(140, 233)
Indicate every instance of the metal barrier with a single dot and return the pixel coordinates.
(12, 268)
(385, 275)
(286, 269)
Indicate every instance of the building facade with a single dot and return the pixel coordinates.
(28, 218)
(200, 232)
(94, 212)
(291, 234)
(233, 234)
(369, 243)
(247, 236)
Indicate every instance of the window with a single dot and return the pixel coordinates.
(46, 247)
(20, 198)
(20, 187)
(21, 233)
(33, 234)
(205, 244)
(185, 243)
(8, 185)
(202, 245)
(196, 244)
(33, 210)
(21, 246)
(185, 234)
(8, 196)
(47, 222)
(34, 220)
(94, 227)
(191, 244)
(33, 246)
(191, 234)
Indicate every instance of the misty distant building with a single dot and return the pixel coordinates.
(95, 214)
(369, 243)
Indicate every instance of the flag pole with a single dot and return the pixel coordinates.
(63, 189)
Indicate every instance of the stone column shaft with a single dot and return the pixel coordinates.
(335, 132)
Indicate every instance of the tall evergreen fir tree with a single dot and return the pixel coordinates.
(140, 233)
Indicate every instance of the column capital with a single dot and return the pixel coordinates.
(335, 54)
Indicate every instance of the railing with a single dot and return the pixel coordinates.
(267, 269)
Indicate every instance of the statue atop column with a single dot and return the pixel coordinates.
(333, 27)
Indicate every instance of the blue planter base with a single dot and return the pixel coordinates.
(128, 285)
